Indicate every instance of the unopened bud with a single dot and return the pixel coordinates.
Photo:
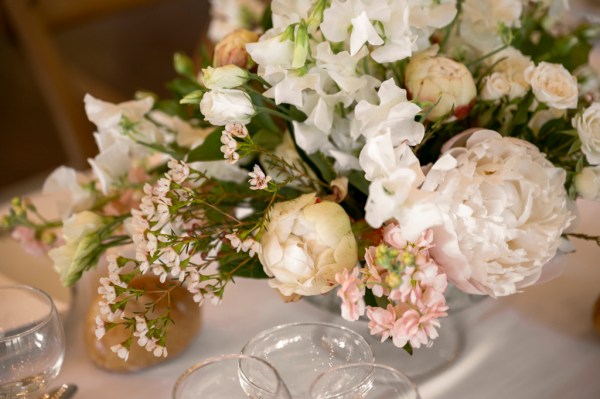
(232, 48)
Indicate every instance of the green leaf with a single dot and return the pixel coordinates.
(192, 98)
(210, 150)
(357, 179)
(184, 65)
(266, 21)
(267, 139)
(323, 165)
(183, 87)
(252, 269)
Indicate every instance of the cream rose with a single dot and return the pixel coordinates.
(504, 207)
(587, 183)
(588, 129)
(507, 77)
(80, 250)
(441, 81)
(305, 244)
(553, 85)
(221, 107)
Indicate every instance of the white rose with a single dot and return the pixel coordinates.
(495, 86)
(507, 78)
(221, 107)
(305, 244)
(588, 129)
(79, 251)
(441, 81)
(587, 183)
(225, 77)
(505, 208)
(553, 85)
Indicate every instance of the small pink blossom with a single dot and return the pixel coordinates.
(374, 276)
(393, 236)
(229, 148)
(26, 237)
(258, 180)
(381, 321)
(236, 130)
(352, 293)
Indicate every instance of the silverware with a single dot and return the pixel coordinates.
(65, 391)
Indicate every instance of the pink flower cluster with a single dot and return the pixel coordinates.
(403, 274)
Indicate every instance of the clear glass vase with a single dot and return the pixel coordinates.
(424, 362)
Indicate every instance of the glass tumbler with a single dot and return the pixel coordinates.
(31, 342)
(301, 351)
(363, 381)
(231, 377)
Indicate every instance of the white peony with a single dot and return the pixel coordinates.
(305, 244)
(505, 208)
(552, 85)
(587, 183)
(588, 129)
(221, 107)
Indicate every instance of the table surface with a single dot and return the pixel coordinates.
(536, 344)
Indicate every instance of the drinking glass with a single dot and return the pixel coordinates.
(301, 351)
(363, 381)
(231, 377)
(31, 342)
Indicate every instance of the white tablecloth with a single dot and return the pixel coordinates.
(538, 344)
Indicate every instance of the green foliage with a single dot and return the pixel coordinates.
(209, 150)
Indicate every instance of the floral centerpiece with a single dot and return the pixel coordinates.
(383, 148)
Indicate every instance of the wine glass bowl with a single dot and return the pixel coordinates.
(31, 342)
(301, 351)
(232, 377)
(363, 381)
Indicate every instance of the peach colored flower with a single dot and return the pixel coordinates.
(352, 293)
(381, 321)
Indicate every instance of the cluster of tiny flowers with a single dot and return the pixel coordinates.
(228, 139)
(150, 344)
(249, 244)
(412, 282)
(258, 179)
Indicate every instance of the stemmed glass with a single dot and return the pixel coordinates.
(301, 351)
(231, 377)
(363, 381)
(31, 342)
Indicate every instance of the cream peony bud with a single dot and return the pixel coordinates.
(225, 77)
(587, 183)
(224, 106)
(232, 48)
(552, 85)
(441, 81)
(588, 129)
(305, 244)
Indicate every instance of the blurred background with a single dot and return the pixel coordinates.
(52, 52)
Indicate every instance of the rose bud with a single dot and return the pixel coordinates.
(232, 48)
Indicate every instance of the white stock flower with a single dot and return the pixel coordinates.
(553, 85)
(444, 83)
(221, 107)
(587, 124)
(224, 77)
(110, 165)
(400, 41)
(272, 51)
(79, 233)
(66, 183)
(341, 67)
(587, 183)
(394, 113)
(504, 207)
(482, 20)
(427, 15)
(305, 244)
(186, 135)
(229, 15)
(287, 12)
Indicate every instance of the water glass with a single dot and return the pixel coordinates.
(231, 377)
(363, 381)
(301, 351)
(31, 342)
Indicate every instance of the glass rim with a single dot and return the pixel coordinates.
(362, 364)
(39, 324)
(279, 327)
(233, 356)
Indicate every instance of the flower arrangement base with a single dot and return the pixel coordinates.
(185, 314)
(424, 362)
